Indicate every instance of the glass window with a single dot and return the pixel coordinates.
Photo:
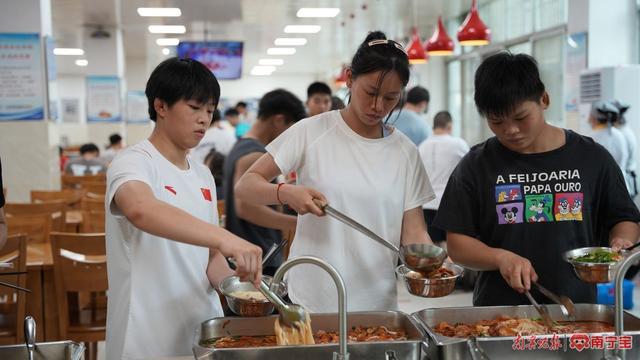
(474, 129)
(549, 13)
(549, 54)
(454, 96)
(522, 48)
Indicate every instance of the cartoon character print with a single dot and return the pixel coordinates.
(511, 213)
(568, 206)
(539, 208)
(506, 193)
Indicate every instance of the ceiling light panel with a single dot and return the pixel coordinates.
(167, 29)
(281, 51)
(317, 12)
(168, 41)
(68, 51)
(290, 41)
(159, 12)
(272, 62)
(302, 29)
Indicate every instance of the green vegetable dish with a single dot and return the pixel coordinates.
(599, 257)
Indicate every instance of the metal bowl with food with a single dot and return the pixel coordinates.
(594, 265)
(438, 283)
(245, 300)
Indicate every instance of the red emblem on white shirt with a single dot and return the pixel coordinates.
(171, 189)
(206, 193)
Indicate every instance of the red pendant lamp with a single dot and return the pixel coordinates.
(415, 51)
(473, 32)
(341, 80)
(440, 44)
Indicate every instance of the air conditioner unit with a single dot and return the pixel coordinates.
(611, 83)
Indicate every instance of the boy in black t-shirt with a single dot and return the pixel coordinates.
(519, 200)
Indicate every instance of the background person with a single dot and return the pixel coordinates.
(408, 120)
(318, 98)
(89, 162)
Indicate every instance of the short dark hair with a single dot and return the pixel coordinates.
(417, 94)
(181, 79)
(114, 139)
(231, 112)
(283, 102)
(336, 103)
(442, 120)
(318, 88)
(503, 81)
(89, 148)
(241, 104)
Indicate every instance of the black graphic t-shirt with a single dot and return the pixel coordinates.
(537, 206)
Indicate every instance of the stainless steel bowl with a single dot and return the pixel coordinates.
(592, 273)
(419, 285)
(244, 307)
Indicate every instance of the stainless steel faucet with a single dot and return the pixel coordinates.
(619, 310)
(342, 295)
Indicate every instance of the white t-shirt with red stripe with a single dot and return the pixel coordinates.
(158, 288)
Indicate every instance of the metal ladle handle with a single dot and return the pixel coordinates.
(357, 226)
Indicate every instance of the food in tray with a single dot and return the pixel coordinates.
(356, 334)
(599, 256)
(252, 295)
(508, 326)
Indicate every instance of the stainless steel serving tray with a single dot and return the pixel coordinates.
(448, 348)
(60, 350)
(411, 349)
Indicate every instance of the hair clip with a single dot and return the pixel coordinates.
(387, 41)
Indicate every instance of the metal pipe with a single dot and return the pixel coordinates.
(342, 295)
(619, 308)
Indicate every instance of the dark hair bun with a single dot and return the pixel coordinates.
(375, 35)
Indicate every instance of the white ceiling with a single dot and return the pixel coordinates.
(256, 22)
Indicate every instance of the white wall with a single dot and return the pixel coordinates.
(433, 76)
(136, 74)
(613, 33)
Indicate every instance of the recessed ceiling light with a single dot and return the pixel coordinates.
(281, 51)
(302, 29)
(290, 41)
(82, 62)
(272, 62)
(159, 12)
(167, 29)
(263, 70)
(68, 51)
(318, 12)
(166, 51)
(168, 41)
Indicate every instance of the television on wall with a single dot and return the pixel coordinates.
(223, 58)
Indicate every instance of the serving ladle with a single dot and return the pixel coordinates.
(423, 258)
(567, 306)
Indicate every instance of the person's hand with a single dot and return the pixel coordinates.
(248, 258)
(619, 243)
(303, 199)
(517, 271)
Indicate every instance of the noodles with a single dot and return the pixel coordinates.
(300, 334)
(249, 295)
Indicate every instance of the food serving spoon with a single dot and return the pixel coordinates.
(423, 258)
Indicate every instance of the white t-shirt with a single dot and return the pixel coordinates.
(440, 155)
(158, 289)
(613, 140)
(221, 137)
(372, 180)
(632, 144)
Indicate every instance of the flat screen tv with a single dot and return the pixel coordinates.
(223, 58)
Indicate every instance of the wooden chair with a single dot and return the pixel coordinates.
(80, 267)
(36, 227)
(96, 187)
(71, 197)
(76, 182)
(92, 204)
(13, 302)
(57, 210)
(93, 221)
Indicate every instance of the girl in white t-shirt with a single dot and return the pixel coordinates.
(362, 167)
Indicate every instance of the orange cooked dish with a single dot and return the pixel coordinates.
(357, 334)
(508, 326)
